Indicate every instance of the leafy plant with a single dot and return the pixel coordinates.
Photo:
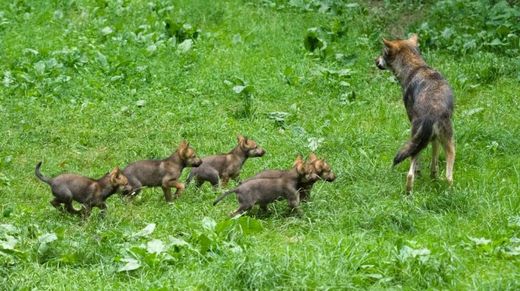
(473, 26)
(245, 91)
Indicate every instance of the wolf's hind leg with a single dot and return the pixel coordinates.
(435, 159)
(449, 148)
(411, 173)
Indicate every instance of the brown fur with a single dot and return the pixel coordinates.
(89, 192)
(220, 168)
(164, 173)
(429, 104)
(264, 191)
(318, 166)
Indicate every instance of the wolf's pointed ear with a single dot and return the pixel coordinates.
(183, 147)
(388, 43)
(299, 164)
(114, 174)
(414, 39)
(241, 139)
(319, 166)
(312, 157)
(299, 160)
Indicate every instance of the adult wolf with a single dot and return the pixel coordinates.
(428, 100)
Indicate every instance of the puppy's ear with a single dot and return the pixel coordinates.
(240, 139)
(388, 43)
(414, 39)
(299, 164)
(312, 157)
(318, 166)
(114, 174)
(183, 147)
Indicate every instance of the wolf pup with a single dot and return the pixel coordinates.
(89, 192)
(429, 104)
(264, 191)
(318, 166)
(225, 166)
(164, 173)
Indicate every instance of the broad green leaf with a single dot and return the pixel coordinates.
(238, 88)
(47, 238)
(407, 252)
(177, 241)
(185, 46)
(250, 225)
(8, 228)
(145, 231)
(106, 30)
(151, 48)
(479, 240)
(155, 246)
(208, 223)
(8, 243)
(514, 221)
(39, 67)
(314, 143)
(131, 264)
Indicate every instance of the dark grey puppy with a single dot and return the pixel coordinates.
(319, 166)
(265, 191)
(89, 192)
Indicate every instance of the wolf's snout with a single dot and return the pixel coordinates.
(380, 63)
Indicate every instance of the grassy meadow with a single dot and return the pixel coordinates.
(90, 84)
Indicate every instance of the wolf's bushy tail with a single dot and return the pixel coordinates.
(422, 131)
(223, 196)
(39, 174)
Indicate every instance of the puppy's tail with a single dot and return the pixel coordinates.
(39, 174)
(223, 196)
(422, 131)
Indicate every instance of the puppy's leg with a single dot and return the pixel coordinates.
(411, 174)
(71, 209)
(435, 159)
(213, 178)
(180, 188)
(305, 194)
(418, 166)
(293, 199)
(167, 189)
(241, 209)
(209, 174)
(449, 148)
(245, 203)
(198, 182)
(263, 208)
(103, 207)
(224, 181)
(87, 210)
(167, 193)
(57, 204)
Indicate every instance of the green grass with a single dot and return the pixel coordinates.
(83, 98)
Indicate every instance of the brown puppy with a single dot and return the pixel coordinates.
(429, 104)
(225, 166)
(322, 169)
(264, 191)
(318, 166)
(164, 173)
(89, 192)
